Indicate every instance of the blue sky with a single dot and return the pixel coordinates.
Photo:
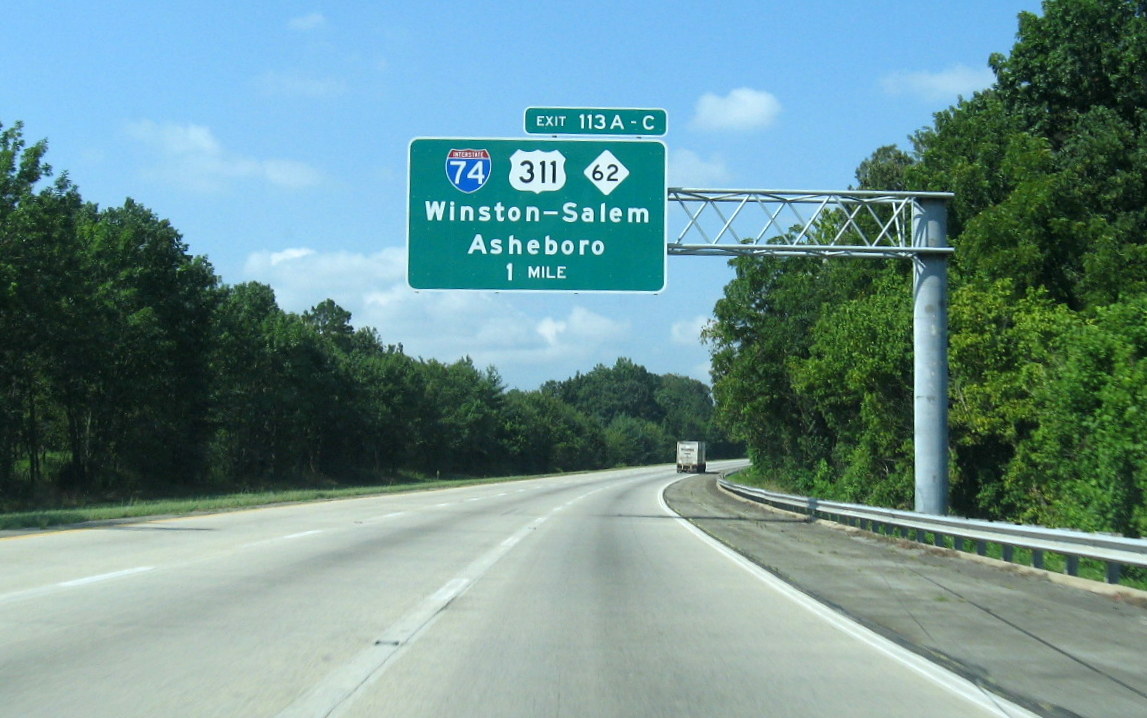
(274, 135)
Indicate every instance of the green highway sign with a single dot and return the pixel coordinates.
(596, 121)
(536, 215)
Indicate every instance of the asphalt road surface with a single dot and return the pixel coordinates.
(580, 595)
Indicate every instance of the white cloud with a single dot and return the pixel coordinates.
(490, 328)
(285, 256)
(290, 173)
(689, 169)
(958, 80)
(687, 332)
(551, 330)
(312, 21)
(493, 329)
(303, 277)
(580, 328)
(191, 156)
(177, 139)
(288, 84)
(742, 109)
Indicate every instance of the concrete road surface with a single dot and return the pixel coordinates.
(579, 595)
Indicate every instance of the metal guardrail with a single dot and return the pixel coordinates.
(1114, 552)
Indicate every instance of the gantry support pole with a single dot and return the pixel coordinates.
(930, 352)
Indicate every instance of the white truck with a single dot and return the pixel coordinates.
(690, 457)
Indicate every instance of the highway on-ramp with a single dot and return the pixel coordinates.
(576, 595)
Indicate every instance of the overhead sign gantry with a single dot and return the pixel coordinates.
(590, 215)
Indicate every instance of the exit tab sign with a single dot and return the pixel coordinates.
(596, 121)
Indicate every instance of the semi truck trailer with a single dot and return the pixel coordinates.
(690, 457)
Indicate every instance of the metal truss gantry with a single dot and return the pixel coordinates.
(850, 223)
(906, 225)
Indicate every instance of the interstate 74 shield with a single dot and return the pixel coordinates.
(468, 170)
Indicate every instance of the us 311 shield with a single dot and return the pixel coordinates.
(468, 170)
(537, 171)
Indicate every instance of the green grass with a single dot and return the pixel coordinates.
(48, 518)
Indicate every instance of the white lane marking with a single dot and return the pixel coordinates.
(335, 694)
(451, 590)
(73, 583)
(380, 519)
(945, 679)
(104, 577)
(300, 534)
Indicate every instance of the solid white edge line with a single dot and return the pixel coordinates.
(946, 679)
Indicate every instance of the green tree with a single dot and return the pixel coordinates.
(858, 377)
(963, 153)
(884, 169)
(385, 409)
(1085, 465)
(332, 322)
(625, 389)
(1001, 350)
(544, 434)
(463, 435)
(687, 406)
(1079, 55)
(632, 441)
(245, 395)
(39, 275)
(134, 374)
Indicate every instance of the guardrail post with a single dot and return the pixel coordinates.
(930, 352)
(1113, 572)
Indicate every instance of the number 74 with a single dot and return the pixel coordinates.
(476, 173)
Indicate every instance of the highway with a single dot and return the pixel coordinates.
(577, 595)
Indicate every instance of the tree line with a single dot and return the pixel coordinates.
(128, 369)
(1048, 301)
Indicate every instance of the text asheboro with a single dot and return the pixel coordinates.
(546, 246)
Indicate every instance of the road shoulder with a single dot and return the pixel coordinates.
(1054, 648)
